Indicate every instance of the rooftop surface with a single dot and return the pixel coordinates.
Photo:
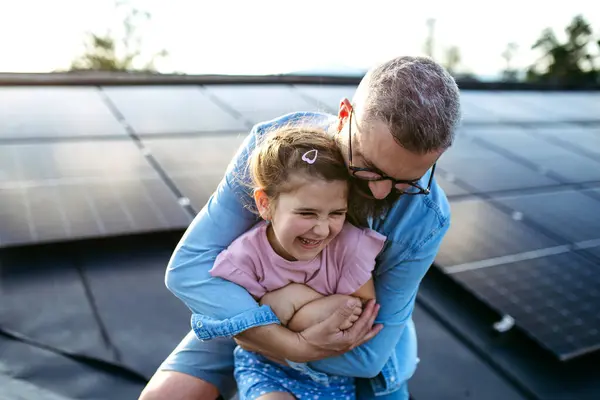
(97, 184)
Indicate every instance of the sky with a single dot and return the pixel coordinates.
(268, 36)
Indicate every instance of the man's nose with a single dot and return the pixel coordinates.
(380, 189)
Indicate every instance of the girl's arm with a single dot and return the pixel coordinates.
(285, 302)
(319, 310)
(366, 292)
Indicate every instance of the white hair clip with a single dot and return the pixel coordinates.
(305, 156)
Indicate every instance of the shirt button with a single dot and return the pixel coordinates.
(199, 324)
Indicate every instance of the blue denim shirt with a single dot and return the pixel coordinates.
(414, 228)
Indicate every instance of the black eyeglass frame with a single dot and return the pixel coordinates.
(383, 177)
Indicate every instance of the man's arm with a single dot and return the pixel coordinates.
(396, 293)
(222, 220)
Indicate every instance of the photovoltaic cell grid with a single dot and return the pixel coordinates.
(555, 298)
(55, 112)
(168, 110)
(70, 190)
(521, 195)
(525, 233)
(196, 165)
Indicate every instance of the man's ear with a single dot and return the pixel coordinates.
(262, 204)
(343, 113)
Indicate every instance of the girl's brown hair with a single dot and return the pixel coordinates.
(280, 155)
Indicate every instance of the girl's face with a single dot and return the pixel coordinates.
(305, 220)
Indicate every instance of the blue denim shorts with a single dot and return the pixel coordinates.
(256, 376)
(212, 361)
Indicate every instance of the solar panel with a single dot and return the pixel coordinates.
(499, 107)
(50, 112)
(572, 215)
(57, 191)
(137, 293)
(554, 298)
(563, 163)
(564, 106)
(581, 140)
(43, 298)
(171, 109)
(480, 232)
(446, 182)
(327, 97)
(257, 103)
(486, 170)
(595, 251)
(531, 253)
(196, 165)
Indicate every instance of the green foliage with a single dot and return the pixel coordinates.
(105, 52)
(572, 61)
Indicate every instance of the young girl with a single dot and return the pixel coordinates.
(305, 246)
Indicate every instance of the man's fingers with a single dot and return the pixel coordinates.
(371, 329)
(364, 322)
(376, 308)
(370, 335)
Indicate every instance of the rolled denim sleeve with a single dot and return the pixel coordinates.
(396, 290)
(222, 220)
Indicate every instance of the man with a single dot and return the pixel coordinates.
(402, 118)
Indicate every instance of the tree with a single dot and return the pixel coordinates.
(566, 62)
(429, 42)
(105, 52)
(453, 59)
(509, 73)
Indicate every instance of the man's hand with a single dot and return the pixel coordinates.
(319, 341)
(328, 340)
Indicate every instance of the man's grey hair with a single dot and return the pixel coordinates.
(417, 99)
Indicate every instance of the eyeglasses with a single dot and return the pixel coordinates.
(368, 174)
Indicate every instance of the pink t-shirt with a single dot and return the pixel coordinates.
(341, 268)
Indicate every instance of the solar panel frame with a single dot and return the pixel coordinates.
(479, 231)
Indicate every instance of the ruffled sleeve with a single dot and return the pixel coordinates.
(240, 270)
(359, 260)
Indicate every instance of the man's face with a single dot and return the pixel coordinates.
(374, 147)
